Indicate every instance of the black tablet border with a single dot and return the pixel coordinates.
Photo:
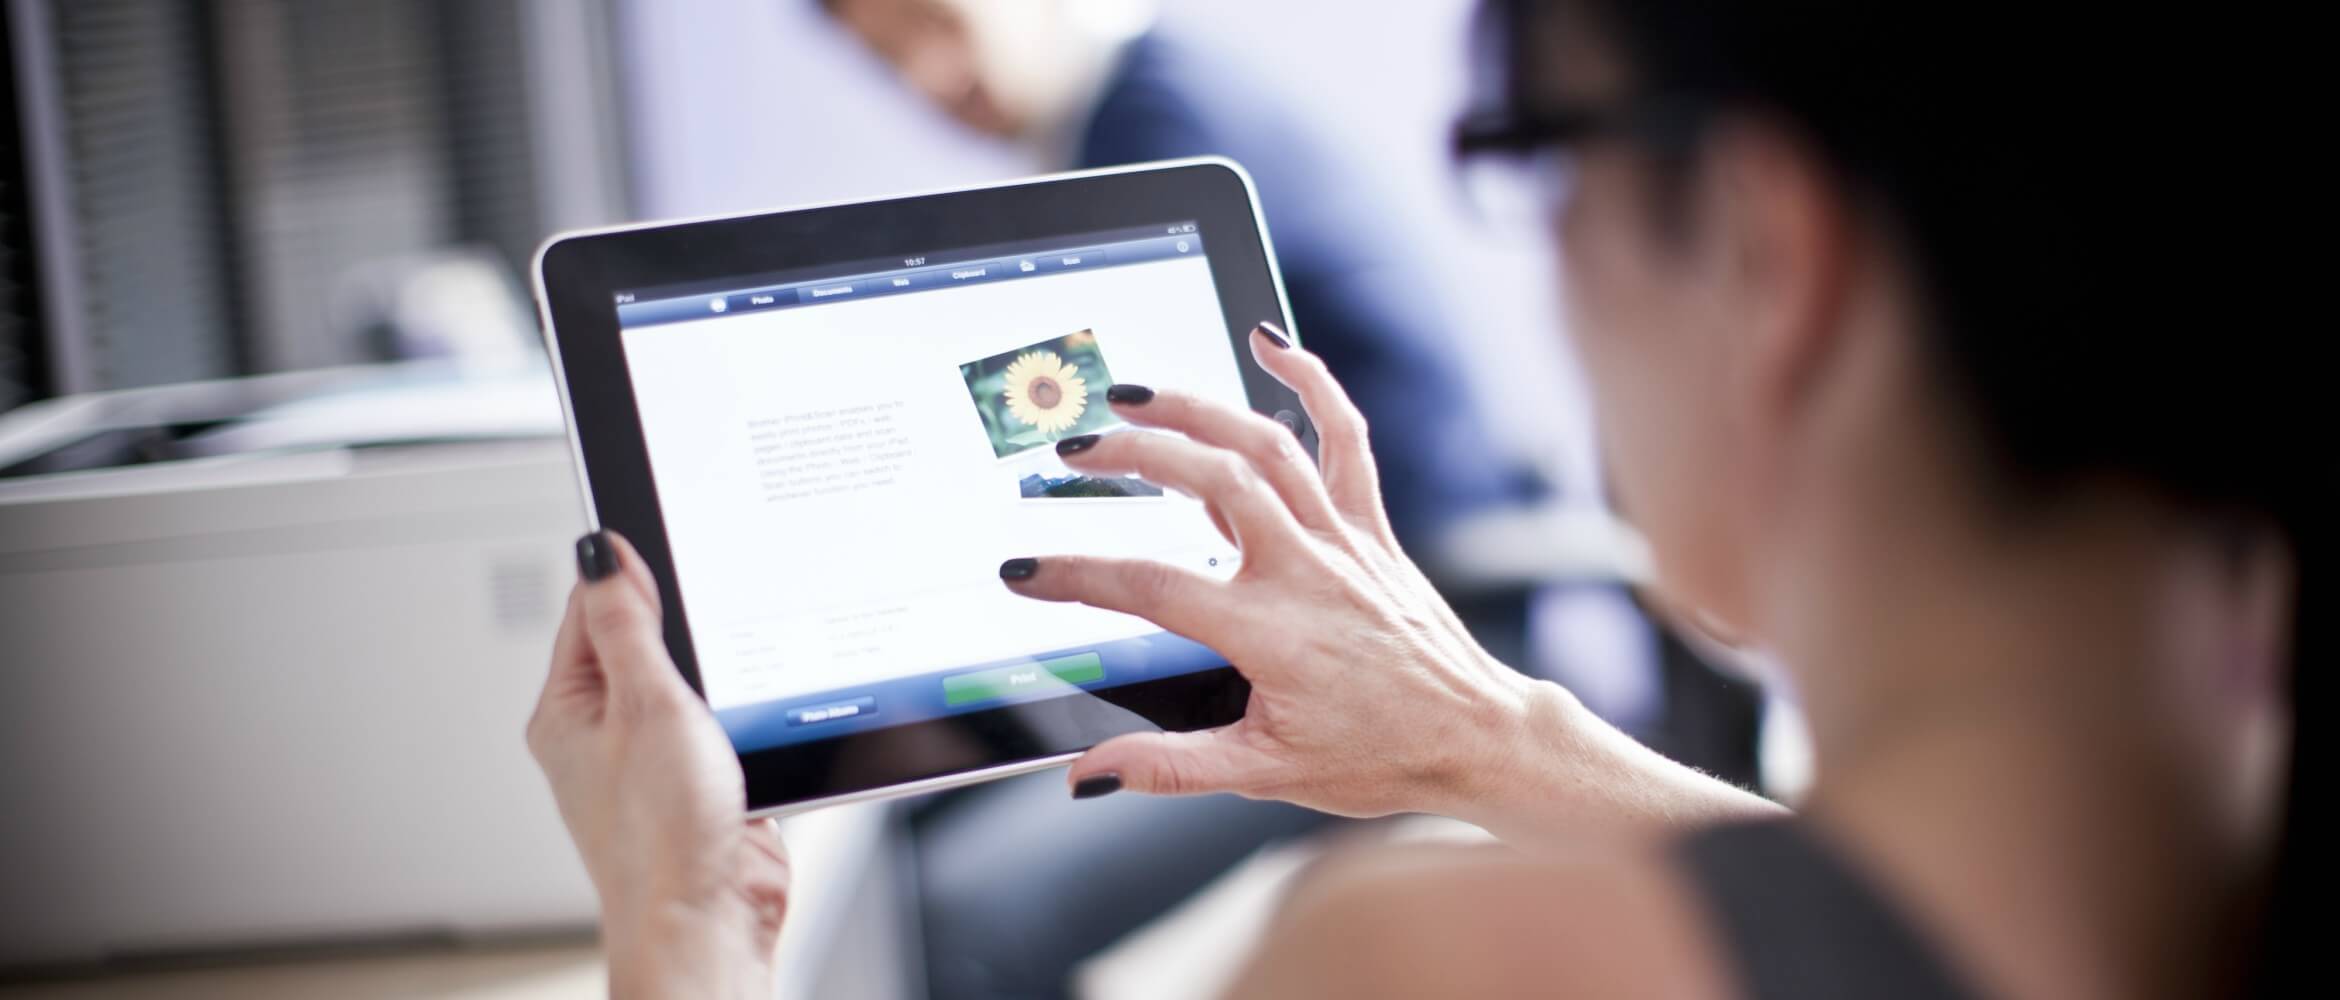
(579, 275)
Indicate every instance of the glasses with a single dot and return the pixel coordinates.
(1517, 167)
(1508, 131)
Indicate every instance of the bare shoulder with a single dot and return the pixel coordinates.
(1485, 921)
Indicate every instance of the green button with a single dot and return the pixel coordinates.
(985, 685)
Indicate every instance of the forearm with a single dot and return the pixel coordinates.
(1553, 776)
(684, 952)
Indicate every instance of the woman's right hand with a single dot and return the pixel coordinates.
(1368, 695)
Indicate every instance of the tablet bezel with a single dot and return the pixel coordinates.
(578, 275)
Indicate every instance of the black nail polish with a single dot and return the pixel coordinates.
(1078, 442)
(1018, 569)
(1133, 395)
(596, 557)
(1275, 336)
(1096, 785)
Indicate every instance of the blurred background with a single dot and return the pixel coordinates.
(285, 507)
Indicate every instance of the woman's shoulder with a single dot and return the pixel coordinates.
(1435, 920)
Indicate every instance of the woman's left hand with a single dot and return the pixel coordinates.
(692, 893)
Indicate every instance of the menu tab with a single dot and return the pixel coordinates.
(1074, 259)
(828, 291)
(972, 272)
(908, 282)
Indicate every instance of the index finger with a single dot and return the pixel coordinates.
(1180, 600)
(1224, 481)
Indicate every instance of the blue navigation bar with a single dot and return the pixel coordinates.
(849, 287)
(917, 698)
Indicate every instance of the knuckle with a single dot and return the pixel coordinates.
(665, 695)
(538, 735)
(1179, 405)
(1172, 776)
(1268, 441)
(1311, 364)
(1150, 583)
(1214, 411)
(1143, 459)
(1227, 473)
(1337, 543)
(621, 612)
(1288, 450)
(647, 708)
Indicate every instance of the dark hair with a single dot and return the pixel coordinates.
(2048, 175)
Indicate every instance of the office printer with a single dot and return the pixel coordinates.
(269, 646)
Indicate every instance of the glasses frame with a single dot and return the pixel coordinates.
(1670, 122)
(1545, 143)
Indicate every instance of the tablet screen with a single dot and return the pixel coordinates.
(844, 455)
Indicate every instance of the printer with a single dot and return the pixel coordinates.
(267, 648)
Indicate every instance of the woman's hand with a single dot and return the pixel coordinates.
(1368, 694)
(692, 893)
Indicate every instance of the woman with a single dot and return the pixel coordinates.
(1870, 335)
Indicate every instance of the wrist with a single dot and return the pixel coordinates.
(1552, 771)
(1501, 755)
(679, 950)
(1559, 776)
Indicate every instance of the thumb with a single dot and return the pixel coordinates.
(621, 621)
(1166, 763)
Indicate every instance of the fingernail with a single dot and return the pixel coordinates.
(1018, 568)
(1096, 786)
(1134, 395)
(1274, 335)
(1078, 442)
(596, 557)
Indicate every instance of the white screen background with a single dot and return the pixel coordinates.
(790, 597)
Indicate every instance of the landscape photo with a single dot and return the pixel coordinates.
(1073, 485)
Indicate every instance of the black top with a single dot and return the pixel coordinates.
(1798, 921)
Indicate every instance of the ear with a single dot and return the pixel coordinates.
(1783, 246)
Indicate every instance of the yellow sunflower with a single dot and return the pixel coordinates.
(1045, 392)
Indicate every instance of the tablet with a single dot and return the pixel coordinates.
(825, 428)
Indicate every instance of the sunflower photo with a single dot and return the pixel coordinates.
(1039, 393)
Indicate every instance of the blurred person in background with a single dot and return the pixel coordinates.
(1898, 383)
(1096, 83)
